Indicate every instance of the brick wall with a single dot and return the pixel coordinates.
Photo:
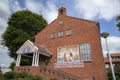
(34, 70)
(83, 31)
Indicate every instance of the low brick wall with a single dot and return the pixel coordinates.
(34, 70)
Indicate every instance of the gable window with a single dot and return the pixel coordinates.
(61, 22)
(68, 32)
(53, 35)
(60, 34)
(85, 51)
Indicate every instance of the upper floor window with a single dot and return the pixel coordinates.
(53, 35)
(85, 51)
(68, 32)
(60, 34)
(115, 57)
(61, 22)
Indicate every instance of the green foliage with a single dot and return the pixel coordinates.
(25, 62)
(117, 75)
(22, 25)
(118, 22)
(1, 78)
(9, 75)
(12, 64)
(20, 76)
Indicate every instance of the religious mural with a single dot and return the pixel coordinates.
(68, 56)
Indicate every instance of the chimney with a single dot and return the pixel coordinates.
(61, 11)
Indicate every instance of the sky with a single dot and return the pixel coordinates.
(102, 11)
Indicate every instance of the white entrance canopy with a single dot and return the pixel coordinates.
(29, 47)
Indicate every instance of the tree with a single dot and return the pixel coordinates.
(22, 25)
(12, 64)
(118, 22)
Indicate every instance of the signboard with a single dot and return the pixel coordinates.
(69, 65)
(68, 57)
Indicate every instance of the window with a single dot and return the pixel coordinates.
(61, 11)
(106, 65)
(53, 35)
(61, 22)
(85, 51)
(60, 34)
(68, 32)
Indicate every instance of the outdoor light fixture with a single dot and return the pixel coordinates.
(105, 35)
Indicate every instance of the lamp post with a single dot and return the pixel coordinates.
(105, 35)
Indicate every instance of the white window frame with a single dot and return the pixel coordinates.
(53, 35)
(85, 51)
(68, 32)
(60, 34)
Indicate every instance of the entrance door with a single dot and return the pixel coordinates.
(42, 64)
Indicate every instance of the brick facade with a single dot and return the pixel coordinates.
(30, 69)
(83, 31)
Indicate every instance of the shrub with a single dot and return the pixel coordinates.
(22, 74)
(12, 64)
(9, 75)
(117, 75)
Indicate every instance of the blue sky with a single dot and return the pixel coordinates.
(102, 11)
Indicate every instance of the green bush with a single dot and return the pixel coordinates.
(12, 64)
(31, 77)
(25, 62)
(9, 75)
(117, 75)
(20, 76)
(2, 78)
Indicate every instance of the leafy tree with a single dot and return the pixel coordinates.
(12, 64)
(118, 22)
(22, 25)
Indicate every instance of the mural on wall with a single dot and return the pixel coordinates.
(68, 56)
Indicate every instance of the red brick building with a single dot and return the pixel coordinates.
(67, 49)
(115, 61)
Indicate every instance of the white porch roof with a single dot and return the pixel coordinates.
(30, 47)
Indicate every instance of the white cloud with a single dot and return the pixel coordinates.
(33, 5)
(4, 58)
(4, 8)
(16, 6)
(102, 9)
(3, 25)
(50, 12)
(113, 44)
(48, 9)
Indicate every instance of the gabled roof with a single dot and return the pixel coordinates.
(30, 47)
(115, 54)
(83, 19)
(27, 47)
(106, 59)
(43, 50)
(66, 16)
